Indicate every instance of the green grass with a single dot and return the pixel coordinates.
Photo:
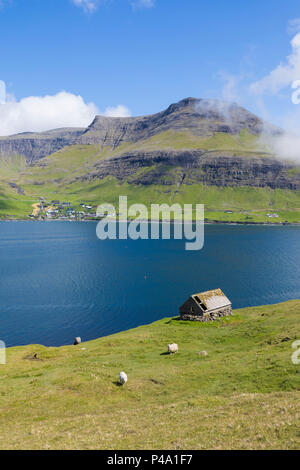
(247, 203)
(11, 165)
(244, 395)
(65, 164)
(186, 140)
(14, 206)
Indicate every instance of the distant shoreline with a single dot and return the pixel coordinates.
(206, 222)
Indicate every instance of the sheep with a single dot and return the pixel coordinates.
(203, 353)
(123, 378)
(173, 348)
(77, 340)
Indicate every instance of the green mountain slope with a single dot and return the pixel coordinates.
(196, 151)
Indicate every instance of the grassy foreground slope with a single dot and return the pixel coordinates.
(244, 395)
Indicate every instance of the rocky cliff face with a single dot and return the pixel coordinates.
(197, 166)
(204, 118)
(35, 146)
(200, 117)
(167, 166)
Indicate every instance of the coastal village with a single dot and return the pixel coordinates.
(57, 210)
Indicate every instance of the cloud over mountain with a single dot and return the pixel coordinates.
(283, 75)
(41, 113)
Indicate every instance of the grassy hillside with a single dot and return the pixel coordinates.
(60, 176)
(247, 204)
(187, 140)
(243, 395)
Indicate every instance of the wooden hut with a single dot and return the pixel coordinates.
(206, 306)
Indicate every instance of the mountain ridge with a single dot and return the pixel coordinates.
(36, 145)
(199, 116)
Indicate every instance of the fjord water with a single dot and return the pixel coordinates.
(59, 281)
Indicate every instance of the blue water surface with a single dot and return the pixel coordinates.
(58, 280)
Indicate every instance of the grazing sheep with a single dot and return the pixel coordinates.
(203, 353)
(123, 378)
(173, 348)
(77, 340)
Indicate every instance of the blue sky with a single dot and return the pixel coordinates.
(146, 54)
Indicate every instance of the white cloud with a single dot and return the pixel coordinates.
(293, 26)
(89, 6)
(143, 3)
(41, 113)
(283, 75)
(2, 92)
(287, 144)
(117, 111)
(231, 90)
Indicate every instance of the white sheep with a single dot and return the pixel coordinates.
(173, 348)
(203, 353)
(123, 378)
